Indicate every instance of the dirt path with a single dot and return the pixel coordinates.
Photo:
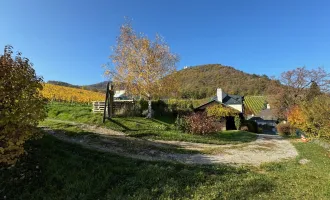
(267, 148)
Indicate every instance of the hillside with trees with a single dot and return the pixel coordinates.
(97, 87)
(203, 80)
(61, 83)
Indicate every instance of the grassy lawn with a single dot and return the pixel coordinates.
(54, 169)
(161, 128)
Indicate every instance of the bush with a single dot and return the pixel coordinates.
(142, 104)
(200, 123)
(21, 105)
(237, 122)
(252, 125)
(181, 123)
(160, 108)
(285, 129)
(312, 117)
(180, 107)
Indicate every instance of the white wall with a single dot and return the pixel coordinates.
(220, 94)
(237, 107)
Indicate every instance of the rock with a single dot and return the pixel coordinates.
(304, 161)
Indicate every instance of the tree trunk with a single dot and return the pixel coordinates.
(149, 108)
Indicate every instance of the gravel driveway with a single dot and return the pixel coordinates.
(266, 148)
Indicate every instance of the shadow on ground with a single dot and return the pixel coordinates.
(67, 171)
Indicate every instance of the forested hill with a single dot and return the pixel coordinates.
(203, 80)
(98, 87)
(61, 83)
(101, 87)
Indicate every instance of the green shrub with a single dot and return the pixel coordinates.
(181, 123)
(160, 108)
(142, 104)
(237, 122)
(180, 107)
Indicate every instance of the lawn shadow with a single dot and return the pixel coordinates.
(128, 145)
(65, 173)
(126, 128)
(159, 122)
(166, 120)
(142, 135)
(136, 121)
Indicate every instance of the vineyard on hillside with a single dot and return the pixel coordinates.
(255, 103)
(68, 94)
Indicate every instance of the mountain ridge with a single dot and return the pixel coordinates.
(201, 81)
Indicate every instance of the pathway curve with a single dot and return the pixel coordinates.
(266, 148)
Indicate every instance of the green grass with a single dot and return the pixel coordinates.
(161, 128)
(53, 169)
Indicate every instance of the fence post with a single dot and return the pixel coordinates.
(111, 94)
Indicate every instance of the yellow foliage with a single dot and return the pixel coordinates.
(221, 111)
(21, 105)
(68, 94)
(296, 116)
(312, 117)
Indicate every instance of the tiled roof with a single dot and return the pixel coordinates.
(227, 100)
(232, 99)
(267, 114)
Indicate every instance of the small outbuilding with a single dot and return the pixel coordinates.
(235, 102)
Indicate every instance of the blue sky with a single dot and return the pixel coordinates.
(69, 40)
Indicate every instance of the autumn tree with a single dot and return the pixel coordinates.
(21, 104)
(312, 117)
(141, 64)
(293, 86)
(296, 116)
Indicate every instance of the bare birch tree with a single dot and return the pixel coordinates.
(141, 64)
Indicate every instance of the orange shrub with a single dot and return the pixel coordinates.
(296, 117)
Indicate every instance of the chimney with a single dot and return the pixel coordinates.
(220, 94)
(268, 106)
